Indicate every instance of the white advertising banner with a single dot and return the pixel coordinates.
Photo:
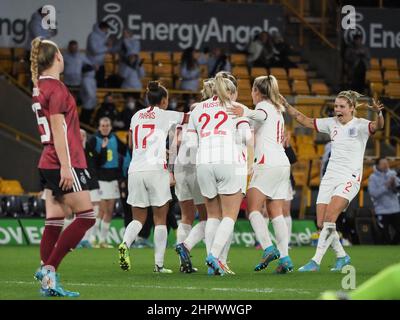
(74, 19)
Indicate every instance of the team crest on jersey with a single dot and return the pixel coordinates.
(353, 132)
(83, 179)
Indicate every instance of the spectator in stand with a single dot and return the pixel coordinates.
(282, 51)
(107, 109)
(383, 186)
(130, 68)
(218, 61)
(124, 117)
(73, 62)
(261, 51)
(190, 71)
(357, 58)
(98, 44)
(88, 90)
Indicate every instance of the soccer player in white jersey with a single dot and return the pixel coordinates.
(188, 191)
(149, 179)
(218, 162)
(341, 182)
(270, 179)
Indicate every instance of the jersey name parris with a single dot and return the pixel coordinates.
(149, 129)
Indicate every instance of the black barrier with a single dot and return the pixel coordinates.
(175, 25)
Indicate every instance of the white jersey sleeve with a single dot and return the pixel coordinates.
(364, 127)
(324, 125)
(192, 139)
(173, 117)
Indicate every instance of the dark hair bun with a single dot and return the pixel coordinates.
(153, 85)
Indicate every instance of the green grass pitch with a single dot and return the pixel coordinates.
(96, 275)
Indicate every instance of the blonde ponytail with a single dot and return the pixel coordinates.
(35, 48)
(269, 90)
(208, 88)
(224, 88)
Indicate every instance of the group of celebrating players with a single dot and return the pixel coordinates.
(210, 170)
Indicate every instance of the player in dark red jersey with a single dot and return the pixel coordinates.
(62, 165)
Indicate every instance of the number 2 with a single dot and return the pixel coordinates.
(348, 186)
(207, 117)
(44, 127)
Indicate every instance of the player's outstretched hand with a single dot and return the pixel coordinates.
(377, 106)
(236, 110)
(67, 179)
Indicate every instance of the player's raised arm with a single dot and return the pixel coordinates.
(240, 110)
(297, 115)
(379, 123)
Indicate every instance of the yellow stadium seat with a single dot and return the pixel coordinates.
(376, 87)
(11, 187)
(258, 72)
(146, 56)
(238, 59)
(122, 135)
(244, 84)
(176, 57)
(203, 71)
(297, 74)
(391, 76)
(163, 57)
(163, 70)
(5, 53)
(240, 72)
(308, 111)
(374, 64)
(145, 81)
(166, 82)
(284, 87)
(301, 87)
(389, 64)
(279, 73)
(393, 90)
(148, 68)
(319, 89)
(374, 76)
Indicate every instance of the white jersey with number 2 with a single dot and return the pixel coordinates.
(348, 146)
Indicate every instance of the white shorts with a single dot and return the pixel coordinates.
(95, 195)
(272, 182)
(109, 190)
(148, 188)
(187, 187)
(332, 186)
(217, 179)
(291, 192)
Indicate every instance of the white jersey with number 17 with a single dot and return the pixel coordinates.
(149, 129)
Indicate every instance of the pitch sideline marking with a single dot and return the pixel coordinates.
(249, 290)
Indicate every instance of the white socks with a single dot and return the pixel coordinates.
(281, 235)
(288, 221)
(260, 228)
(337, 246)
(209, 232)
(104, 228)
(225, 251)
(195, 235)
(131, 232)
(225, 230)
(182, 232)
(325, 239)
(160, 244)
